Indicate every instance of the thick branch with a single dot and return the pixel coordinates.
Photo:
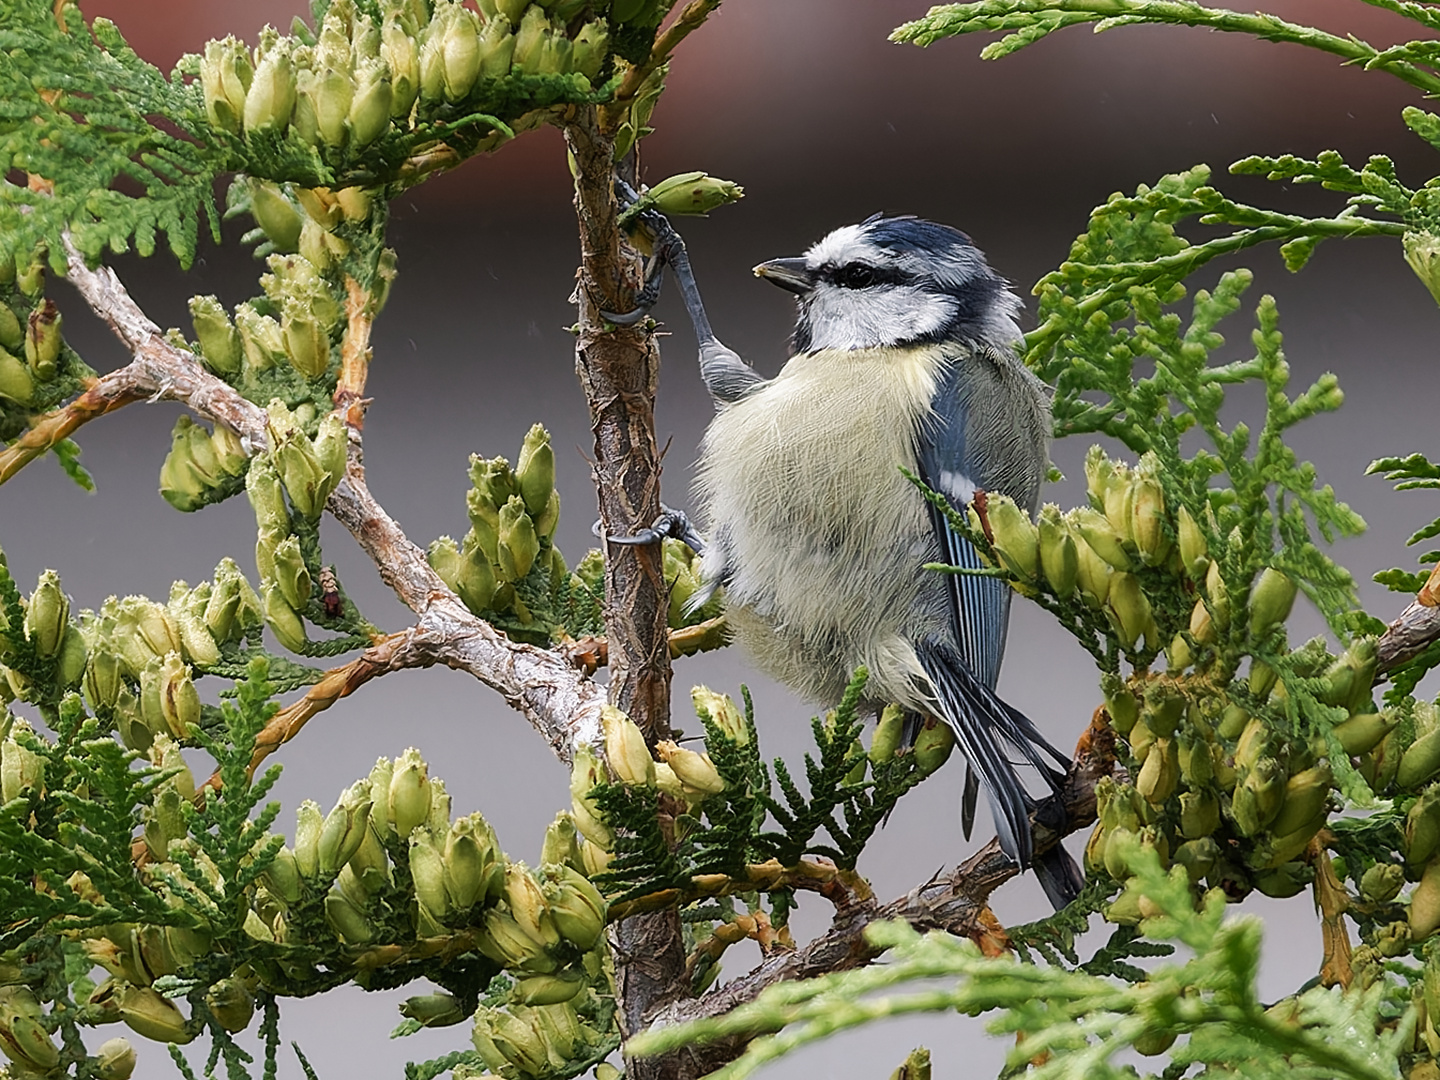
(1409, 635)
(619, 370)
(956, 902)
(558, 701)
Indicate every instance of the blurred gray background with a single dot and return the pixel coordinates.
(823, 121)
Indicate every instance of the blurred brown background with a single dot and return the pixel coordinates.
(807, 105)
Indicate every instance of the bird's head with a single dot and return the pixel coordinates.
(892, 281)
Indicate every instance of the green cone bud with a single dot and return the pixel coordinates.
(291, 575)
(282, 877)
(592, 44)
(1422, 829)
(1422, 252)
(1199, 813)
(1130, 609)
(932, 746)
(43, 340)
(306, 344)
(231, 1003)
(1147, 520)
(12, 335)
(344, 829)
(1100, 536)
(16, 382)
(260, 337)
(179, 700)
(347, 919)
(370, 108)
(146, 1013)
(586, 772)
(47, 615)
(267, 497)
(1421, 760)
(115, 1060)
(219, 340)
(1197, 857)
(1059, 556)
(547, 989)
(409, 794)
(1270, 601)
(497, 48)
(225, 76)
(271, 97)
(518, 542)
(528, 906)
(1160, 773)
(886, 740)
(460, 53)
(21, 769)
(332, 93)
(695, 771)
(23, 1038)
(433, 1010)
(694, 193)
(427, 871)
(507, 944)
(277, 217)
(308, 824)
(576, 906)
(223, 606)
(530, 35)
(1194, 552)
(284, 621)
(1305, 796)
(1425, 903)
(561, 844)
(1017, 541)
(308, 478)
(1361, 734)
(401, 53)
(473, 864)
(535, 470)
(102, 679)
(625, 750)
(1092, 575)
(1382, 882)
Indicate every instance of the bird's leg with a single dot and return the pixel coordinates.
(675, 524)
(726, 375)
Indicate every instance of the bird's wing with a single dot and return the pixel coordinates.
(964, 669)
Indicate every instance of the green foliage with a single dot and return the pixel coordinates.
(849, 797)
(1072, 1024)
(78, 111)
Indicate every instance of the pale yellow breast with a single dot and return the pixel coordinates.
(800, 484)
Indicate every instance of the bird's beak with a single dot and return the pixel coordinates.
(792, 275)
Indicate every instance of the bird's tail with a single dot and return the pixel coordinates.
(988, 731)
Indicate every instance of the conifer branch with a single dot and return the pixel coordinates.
(957, 903)
(1034, 19)
(688, 21)
(557, 700)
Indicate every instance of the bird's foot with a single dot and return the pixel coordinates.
(675, 524)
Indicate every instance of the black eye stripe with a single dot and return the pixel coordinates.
(861, 275)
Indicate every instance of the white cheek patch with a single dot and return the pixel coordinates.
(958, 487)
(874, 318)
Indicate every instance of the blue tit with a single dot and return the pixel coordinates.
(905, 356)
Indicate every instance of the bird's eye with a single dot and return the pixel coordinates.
(856, 276)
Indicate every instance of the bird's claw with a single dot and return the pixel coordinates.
(674, 524)
(665, 242)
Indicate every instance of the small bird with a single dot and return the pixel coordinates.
(904, 356)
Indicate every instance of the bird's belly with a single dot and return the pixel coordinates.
(821, 534)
